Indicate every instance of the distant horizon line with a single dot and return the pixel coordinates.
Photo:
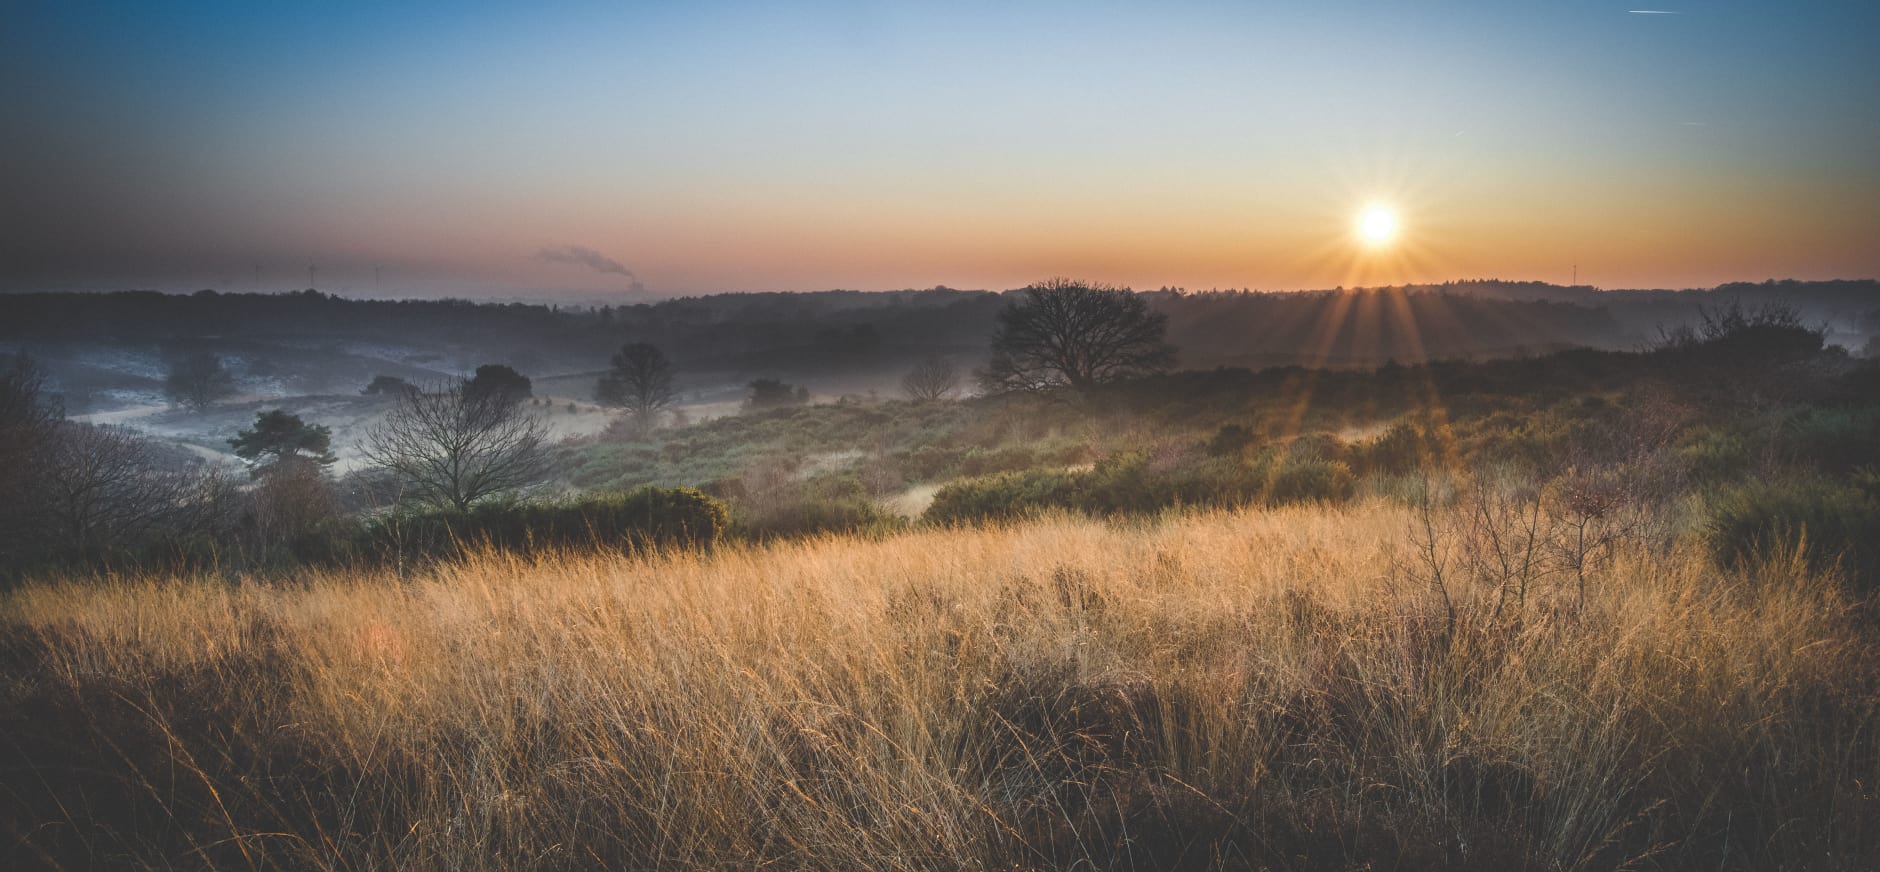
(570, 296)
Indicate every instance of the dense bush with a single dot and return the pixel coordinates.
(1829, 522)
(1835, 440)
(1003, 495)
(643, 518)
(1141, 482)
(930, 461)
(1524, 441)
(815, 514)
(939, 462)
(1301, 481)
(1745, 335)
(1316, 446)
(981, 461)
(778, 498)
(1400, 450)
(1231, 439)
(1715, 454)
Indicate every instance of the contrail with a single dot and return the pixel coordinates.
(1652, 12)
(583, 256)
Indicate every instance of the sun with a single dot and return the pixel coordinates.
(1377, 226)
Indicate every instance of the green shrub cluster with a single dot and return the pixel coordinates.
(816, 514)
(777, 504)
(1004, 495)
(1400, 450)
(1837, 440)
(1141, 482)
(935, 462)
(642, 518)
(1828, 522)
(1713, 455)
(1304, 481)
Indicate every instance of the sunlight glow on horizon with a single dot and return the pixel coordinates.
(214, 144)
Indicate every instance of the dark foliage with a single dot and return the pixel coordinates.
(29, 420)
(1066, 333)
(643, 518)
(770, 393)
(495, 382)
(1002, 496)
(278, 436)
(639, 379)
(1768, 331)
(388, 386)
(198, 380)
(1826, 522)
(1142, 482)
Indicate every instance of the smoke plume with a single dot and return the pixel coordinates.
(583, 256)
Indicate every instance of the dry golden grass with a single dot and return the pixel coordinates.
(1250, 689)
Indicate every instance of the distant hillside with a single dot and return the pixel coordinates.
(851, 332)
(1850, 309)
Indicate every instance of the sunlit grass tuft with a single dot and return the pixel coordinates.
(1240, 689)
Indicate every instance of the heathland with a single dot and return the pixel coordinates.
(1586, 609)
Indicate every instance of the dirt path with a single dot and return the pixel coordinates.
(912, 502)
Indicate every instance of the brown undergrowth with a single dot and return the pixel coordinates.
(1241, 689)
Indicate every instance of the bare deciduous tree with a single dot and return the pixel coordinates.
(932, 379)
(23, 399)
(1065, 333)
(104, 487)
(292, 500)
(453, 447)
(197, 380)
(28, 419)
(1493, 540)
(640, 380)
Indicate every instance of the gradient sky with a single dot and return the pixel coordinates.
(743, 146)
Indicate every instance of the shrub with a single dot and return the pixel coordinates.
(1231, 439)
(1827, 522)
(1131, 482)
(1401, 450)
(770, 393)
(932, 461)
(1003, 495)
(1298, 481)
(1770, 332)
(1712, 454)
(815, 515)
(1124, 482)
(980, 461)
(1316, 446)
(1136, 482)
(643, 518)
(1836, 440)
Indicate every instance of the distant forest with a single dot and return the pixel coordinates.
(846, 330)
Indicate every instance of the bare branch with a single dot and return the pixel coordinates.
(452, 448)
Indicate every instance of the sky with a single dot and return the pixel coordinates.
(617, 150)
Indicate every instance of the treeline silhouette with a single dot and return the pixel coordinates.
(849, 330)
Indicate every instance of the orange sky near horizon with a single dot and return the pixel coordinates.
(430, 150)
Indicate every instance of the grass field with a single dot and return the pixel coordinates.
(1238, 689)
